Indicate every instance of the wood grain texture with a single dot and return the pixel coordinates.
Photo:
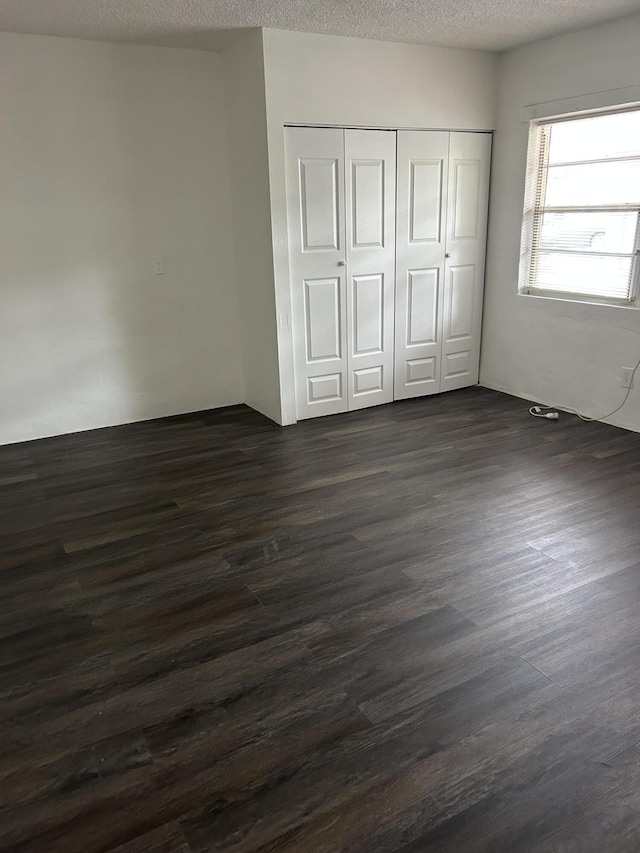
(409, 628)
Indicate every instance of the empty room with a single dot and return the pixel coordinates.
(319, 426)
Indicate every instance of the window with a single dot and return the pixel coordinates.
(581, 234)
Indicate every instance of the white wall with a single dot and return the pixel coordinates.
(344, 81)
(559, 353)
(247, 129)
(112, 156)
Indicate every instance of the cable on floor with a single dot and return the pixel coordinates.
(552, 413)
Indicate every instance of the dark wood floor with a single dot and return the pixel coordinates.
(414, 628)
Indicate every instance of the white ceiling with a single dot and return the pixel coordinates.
(211, 24)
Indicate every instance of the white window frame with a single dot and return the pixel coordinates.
(534, 208)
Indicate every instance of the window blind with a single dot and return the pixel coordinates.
(582, 204)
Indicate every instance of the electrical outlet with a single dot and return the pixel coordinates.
(159, 267)
(626, 377)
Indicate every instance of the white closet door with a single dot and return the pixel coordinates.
(420, 239)
(466, 232)
(315, 190)
(370, 179)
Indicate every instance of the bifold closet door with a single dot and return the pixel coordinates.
(341, 209)
(315, 201)
(370, 177)
(443, 182)
(346, 226)
(420, 251)
(465, 242)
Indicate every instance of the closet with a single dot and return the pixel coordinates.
(387, 235)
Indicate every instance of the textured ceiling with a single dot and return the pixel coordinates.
(211, 24)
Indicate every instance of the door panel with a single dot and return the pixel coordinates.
(420, 371)
(466, 198)
(370, 166)
(459, 313)
(422, 307)
(368, 314)
(425, 201)
(367, 203)
(420, 248)
(469, 157)
(322, 319)
(458, 363)
(319, 208)
(324, 389)
(315, 199)
(367, 380)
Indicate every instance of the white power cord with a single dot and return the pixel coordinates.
(537, 411)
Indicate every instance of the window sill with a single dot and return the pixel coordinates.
(576, 299)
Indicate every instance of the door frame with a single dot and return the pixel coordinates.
(280, 239)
